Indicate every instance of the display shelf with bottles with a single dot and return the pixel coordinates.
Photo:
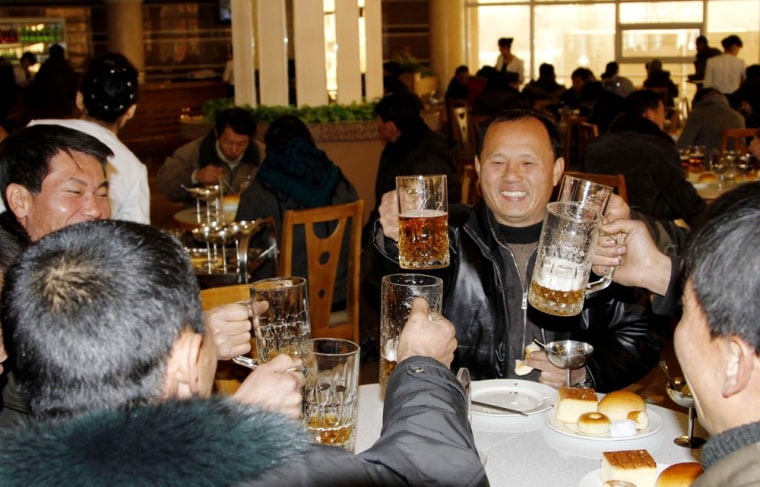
(34, 35)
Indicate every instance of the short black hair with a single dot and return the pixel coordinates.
(109, 87)
(403, 109)
(582, 73)
(732, 40)
(506, 42)
(25, 155)
(522, 114)
(238, 119)
(546, 70)
(701, 40)
(29, 56)
(91, 313)
(283, 130)
(462, 69)
(611, 69)
(638, 102)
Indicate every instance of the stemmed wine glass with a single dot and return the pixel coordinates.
(744, 164)
(718, 165)
(568, 355)
(679, 393)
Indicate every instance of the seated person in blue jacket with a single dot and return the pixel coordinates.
(105, 324)
(493, 250)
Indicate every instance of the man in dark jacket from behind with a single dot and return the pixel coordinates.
(493, 251)
(106, 331)
(636, 146)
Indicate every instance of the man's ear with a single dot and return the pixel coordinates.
(130, 112)
(559, 170)
(80, 102)
(19, 199)
(739, 365)
(182, 369)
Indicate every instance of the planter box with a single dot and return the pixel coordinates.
(419, 85)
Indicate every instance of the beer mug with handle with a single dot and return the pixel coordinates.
(563, 261)
(423, 222)
(590, 195)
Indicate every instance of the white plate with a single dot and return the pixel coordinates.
(522, 395)
(655, 425)
(592, 479)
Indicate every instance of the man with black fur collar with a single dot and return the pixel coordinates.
(104, 324)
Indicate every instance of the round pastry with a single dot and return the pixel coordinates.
(707, 177)
(616, 405)
(593, 424)
(641, 418)
(679, 475)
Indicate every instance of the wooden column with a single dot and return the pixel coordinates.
(347, 36)
(447, 42)
(373, 20)
(124, 25)
(243, 52)
(309, 49)
(272, 52)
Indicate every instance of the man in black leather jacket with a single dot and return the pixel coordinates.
(493, 249)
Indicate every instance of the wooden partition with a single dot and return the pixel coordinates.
(153, 133)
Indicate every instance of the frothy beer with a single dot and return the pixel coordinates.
(423, 241)
(557, 288)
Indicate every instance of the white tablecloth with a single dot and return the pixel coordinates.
(524, 451)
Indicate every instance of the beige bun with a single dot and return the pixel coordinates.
(616, 405)
(593, 424)
(679, 475)
(641, 418)
(707, 177)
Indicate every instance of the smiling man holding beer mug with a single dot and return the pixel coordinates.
(493, 250)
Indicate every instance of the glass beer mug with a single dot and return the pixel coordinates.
(563, 262)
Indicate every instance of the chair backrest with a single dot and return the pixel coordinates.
(577, 136)
(470, 188)
(215, 296)
(460, 130)
(616, 181)
(323, 255)
(738, 137)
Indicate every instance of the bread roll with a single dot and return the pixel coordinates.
(616, 405)
(679, 475)
(520, 367)
(707, 177)
(593, 424)
(641, 418)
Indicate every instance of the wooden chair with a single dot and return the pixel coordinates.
(578, 135)
(738, 138)
(460, 131)
(470, 188)
(322, 256)
(616, 181)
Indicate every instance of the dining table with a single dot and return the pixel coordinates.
(532, 450)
